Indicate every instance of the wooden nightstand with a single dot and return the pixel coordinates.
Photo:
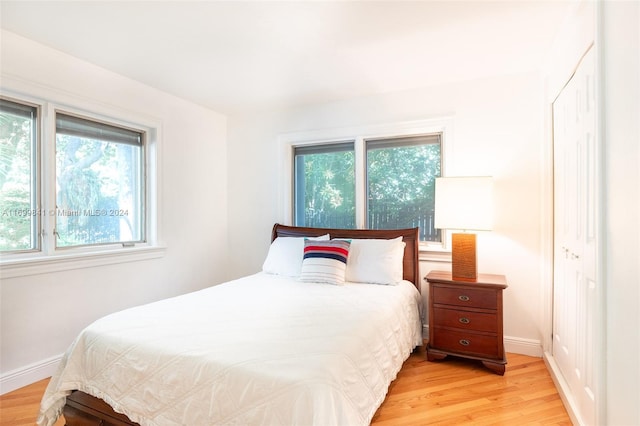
(465, 319)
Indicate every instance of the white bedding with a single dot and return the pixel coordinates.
(260, 350)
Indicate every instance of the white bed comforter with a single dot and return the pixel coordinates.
(261, 350)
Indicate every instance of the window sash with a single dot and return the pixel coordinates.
(299, 153)
(388, 212)
(93, 130)
(27, 112)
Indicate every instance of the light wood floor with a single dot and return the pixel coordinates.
(448, 392)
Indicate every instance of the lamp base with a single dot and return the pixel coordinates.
(464, 266)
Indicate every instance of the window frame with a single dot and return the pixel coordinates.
(435, 251)
(50, 258)
(142, 177)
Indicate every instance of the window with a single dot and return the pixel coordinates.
(397, 175)
(99, 183)
(401, 175)
(19, 193)
(77, 189)
(324, 194)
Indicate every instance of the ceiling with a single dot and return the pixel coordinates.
(234, 56)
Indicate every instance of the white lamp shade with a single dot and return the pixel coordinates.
(464, 203)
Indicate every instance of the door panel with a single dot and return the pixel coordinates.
(575, 235)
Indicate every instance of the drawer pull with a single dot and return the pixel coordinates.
(464, 320)
(464, 342)
(464, 298)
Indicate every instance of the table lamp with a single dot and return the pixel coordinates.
(466, 204)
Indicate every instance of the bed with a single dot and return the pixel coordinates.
(286, 346)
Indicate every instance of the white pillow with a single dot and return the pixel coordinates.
(375, 261)
(285, 255)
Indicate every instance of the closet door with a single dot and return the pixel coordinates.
(575, 237)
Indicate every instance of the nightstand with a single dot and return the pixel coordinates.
(465, 319)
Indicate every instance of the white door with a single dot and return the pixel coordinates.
(575, 236)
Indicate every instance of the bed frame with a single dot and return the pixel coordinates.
(82, 409)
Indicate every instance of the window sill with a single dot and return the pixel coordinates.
(64, 262)
(434, 255)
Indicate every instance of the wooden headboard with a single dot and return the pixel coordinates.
(410, 265)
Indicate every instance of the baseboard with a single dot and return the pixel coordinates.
(519, 345)
(563, 389)
(32, 373)
(516, 345)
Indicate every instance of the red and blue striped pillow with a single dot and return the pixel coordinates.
(325, 261)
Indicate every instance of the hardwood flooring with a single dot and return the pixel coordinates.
(456, 391)
(20, 407)
(448, 392)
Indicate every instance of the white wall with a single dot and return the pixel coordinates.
(42, 314)
(620, 40)
(497, 131)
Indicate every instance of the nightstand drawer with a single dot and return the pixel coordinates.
(467, 343)
(465, 320)
(476, 298)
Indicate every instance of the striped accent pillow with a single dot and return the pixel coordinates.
(325, 261)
